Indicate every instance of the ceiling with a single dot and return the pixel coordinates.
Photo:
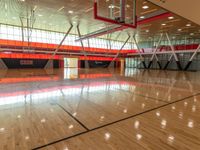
(55, 15)
(186, 8)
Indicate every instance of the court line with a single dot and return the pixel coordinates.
(150, 110)
(151, 98)
(73, 117)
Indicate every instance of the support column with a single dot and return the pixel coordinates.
(117, 55)
(3, 65)
(154, 54)
(22, 29)
(141, 57)
(192, 57)
(50, 62)
(168, 61)
(83, 48)
(173, 52)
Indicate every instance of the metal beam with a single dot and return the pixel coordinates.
(192, 57)
(138, 47)
(50, 52)
(22, 29)
(50, 61)
(101, 32)
(165, 52)
(117, 55)
(168, 61)
(154, 53)
(83, 49)
(173, 52)
(61, 43)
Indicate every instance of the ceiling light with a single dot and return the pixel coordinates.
(2, 129)
(147, 30)
(170, 17)
(70, 12)
(145, 7)
(22, 0)
(188, 25)
(142, 17)
(179, 29)
(163, 24)
(111, 6)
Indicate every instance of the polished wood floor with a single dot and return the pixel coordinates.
(87, 109)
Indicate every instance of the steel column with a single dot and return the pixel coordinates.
(168, 61)
(154, 53)
(83, 49)
(50, 62)
(173, 52)
(138, 47)
(22, 29)
(120, 50)
(192, 57)
(61, 43)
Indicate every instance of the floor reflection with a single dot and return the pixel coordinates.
(33, 98)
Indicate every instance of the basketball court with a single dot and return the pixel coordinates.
(102, 74)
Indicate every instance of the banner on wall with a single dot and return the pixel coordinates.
(26, 62)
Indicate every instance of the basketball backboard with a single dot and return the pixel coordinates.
(122, 12)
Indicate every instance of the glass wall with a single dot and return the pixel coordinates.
(9, 32)
(132, 62)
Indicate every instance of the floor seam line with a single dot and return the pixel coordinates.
(78, 121)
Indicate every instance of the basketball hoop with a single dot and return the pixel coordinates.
(119, 20)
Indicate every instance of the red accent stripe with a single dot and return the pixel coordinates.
(50, 47)
(154, 18)
(45, 56)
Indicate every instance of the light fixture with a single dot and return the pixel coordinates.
(171, 17)
(191, 33)
(188, 25)
(145, 7)
(2, 129)
(111, 6)
(179, 29)
(163, 24)
(142, 17)
(70, 12)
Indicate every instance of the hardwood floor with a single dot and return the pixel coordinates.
(87, 109)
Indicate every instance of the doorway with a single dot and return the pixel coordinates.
(71, 62)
